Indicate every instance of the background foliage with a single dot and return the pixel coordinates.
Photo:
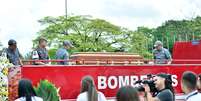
(90, 34)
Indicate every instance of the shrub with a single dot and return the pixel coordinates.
(47, 91)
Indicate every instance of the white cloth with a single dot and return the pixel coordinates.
(193, 96)
(35, 98)
(83, 97)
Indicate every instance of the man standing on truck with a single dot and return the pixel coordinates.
(12, 53)
(62, 53)
(161, 55)
(41, 53)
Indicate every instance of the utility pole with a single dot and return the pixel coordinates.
(66, 9)
(66, 15)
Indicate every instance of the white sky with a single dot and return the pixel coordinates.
(18, 18)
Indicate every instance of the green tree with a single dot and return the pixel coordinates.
(95, 35)
(178, 30)
(139, 43)
(87, 34)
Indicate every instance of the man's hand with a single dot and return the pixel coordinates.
(148, 95)
(169, 62)
(147, 88)
(20, 62)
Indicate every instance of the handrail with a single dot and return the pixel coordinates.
(71, 60)
(117, 61)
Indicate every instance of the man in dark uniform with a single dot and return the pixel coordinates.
(41, 53)
(13, 53)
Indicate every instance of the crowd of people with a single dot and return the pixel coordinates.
(190, 85)
(40, 55)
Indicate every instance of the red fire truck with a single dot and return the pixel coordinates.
(112, 70)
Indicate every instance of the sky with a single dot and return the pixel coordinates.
(18, 18)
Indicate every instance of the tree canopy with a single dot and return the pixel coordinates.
(90, 34)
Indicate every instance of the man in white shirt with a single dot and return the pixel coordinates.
(189, 86)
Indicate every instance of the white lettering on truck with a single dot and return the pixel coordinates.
(113, 82)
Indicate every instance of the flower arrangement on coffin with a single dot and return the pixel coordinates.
(47, 91)
(4, 66)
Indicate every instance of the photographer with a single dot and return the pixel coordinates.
(163, 83)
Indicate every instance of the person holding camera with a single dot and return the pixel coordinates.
(163, 83)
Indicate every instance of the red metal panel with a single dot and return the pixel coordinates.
(187, 50)
(68, 78)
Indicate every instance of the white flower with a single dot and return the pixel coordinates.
(4, 63)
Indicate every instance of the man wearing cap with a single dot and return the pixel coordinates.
(13, 53)
(62, 53)
(163, 83)
(161, 55)
(41, 53)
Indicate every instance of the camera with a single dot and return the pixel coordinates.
(149, 82)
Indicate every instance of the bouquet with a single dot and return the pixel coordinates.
(4, 66)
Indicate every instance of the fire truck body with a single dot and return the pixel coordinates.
(109, 78)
